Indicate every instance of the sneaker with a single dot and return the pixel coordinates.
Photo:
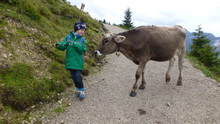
(77, 94)
(81, 95)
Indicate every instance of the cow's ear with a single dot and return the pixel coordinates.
(120, 38)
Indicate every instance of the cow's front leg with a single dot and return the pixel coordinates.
(143, 83)
(181, 54)
(171, 63)
(139, 71)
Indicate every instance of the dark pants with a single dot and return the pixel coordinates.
(77, 78)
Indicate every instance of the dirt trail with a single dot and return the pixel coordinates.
(197, 101)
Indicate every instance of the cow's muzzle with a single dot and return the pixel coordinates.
(96, 52)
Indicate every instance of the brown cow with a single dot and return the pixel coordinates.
(146, 43)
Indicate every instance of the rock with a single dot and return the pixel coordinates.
(60, 101)
(4, 55)
(32, 107)
(168, 104)
(62, 122)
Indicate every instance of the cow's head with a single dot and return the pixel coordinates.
(109, 44)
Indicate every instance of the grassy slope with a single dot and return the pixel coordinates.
(197, 64)
(32, 70)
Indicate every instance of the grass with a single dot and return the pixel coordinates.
(59, 110)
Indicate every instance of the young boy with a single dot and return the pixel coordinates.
(75, 46)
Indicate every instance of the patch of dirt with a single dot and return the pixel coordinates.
(142, 112)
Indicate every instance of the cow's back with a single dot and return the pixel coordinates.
(158, 43)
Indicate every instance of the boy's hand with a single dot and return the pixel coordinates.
(57, 45)
(68, 43)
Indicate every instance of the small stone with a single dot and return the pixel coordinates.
(60, 101)
(33, 106)
(168, 104)
(4, 55)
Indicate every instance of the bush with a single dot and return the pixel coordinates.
(17, 84)
(21, 90)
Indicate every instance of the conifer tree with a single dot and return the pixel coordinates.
(104, 21)
(127, 19)
(203, 51)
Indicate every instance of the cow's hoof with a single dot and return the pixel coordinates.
(167, 79)
(179, 83)
(133, 94)
(142, 87)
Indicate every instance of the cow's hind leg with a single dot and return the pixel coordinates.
(171, 63)
(181, 53)
(137, 76)
(143, 83)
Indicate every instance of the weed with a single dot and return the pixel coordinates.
(59, 110)
(2, 33)
(3, 22)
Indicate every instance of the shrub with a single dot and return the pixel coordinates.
(22, 90)
(17, 84)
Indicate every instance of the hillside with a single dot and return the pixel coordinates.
(31, 70)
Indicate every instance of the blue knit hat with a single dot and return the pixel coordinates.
(79, 25)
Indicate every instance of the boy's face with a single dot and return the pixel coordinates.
(80, 31)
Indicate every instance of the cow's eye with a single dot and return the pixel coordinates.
(106, 41)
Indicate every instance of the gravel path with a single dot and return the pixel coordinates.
(197, 101)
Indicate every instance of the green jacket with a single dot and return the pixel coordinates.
(74, 51)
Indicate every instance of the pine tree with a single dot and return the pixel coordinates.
(104, 21)
(127, 19)
(203, 51)
(198, 42)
